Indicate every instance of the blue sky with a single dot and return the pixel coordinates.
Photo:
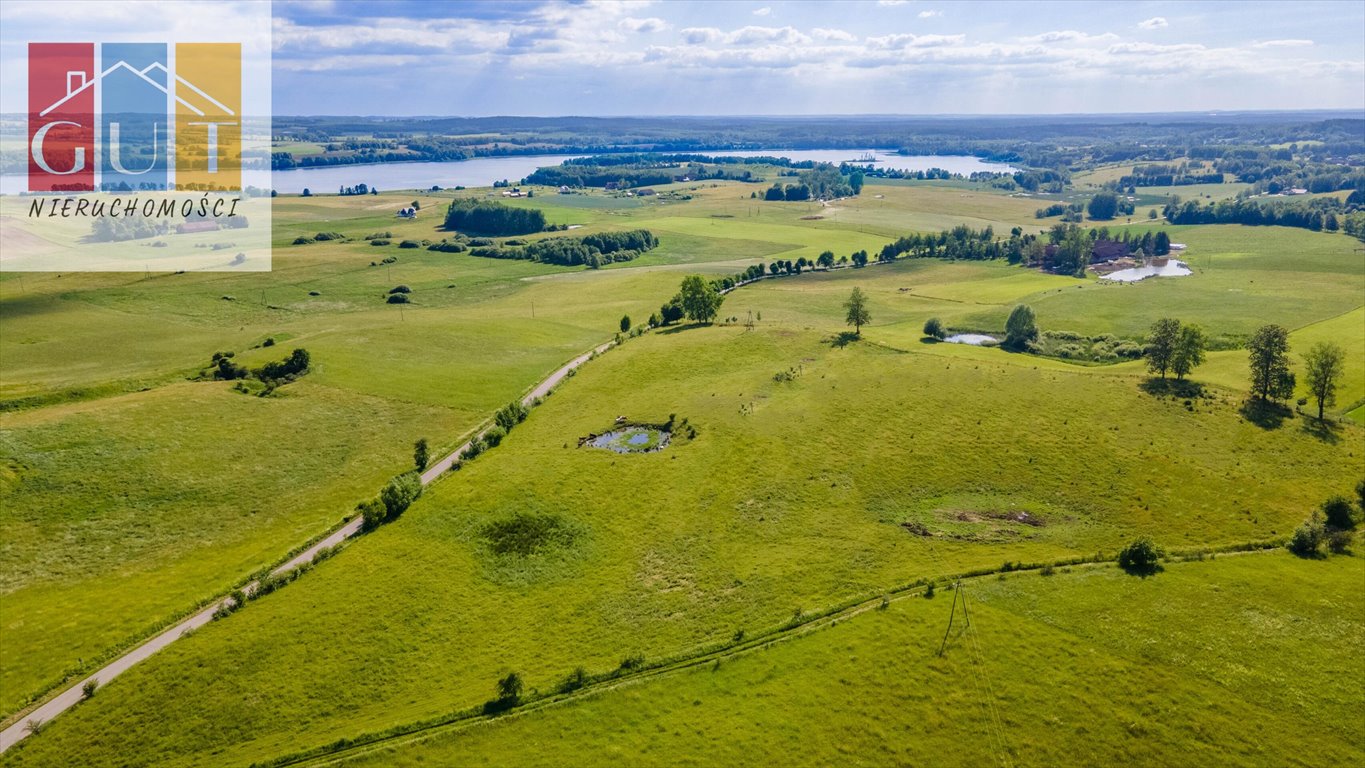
(481, 57)
(652, 58)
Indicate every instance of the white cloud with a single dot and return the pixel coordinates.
(899, 41)
(764, 11)
(820, 33)
(1156, 22)
(891, 3)
(751, 35)
(1070, 35)
(930, 14)
(1283, 44)
(701, 35)
(652, 24)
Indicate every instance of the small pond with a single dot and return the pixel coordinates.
(1171, 268)
(975, 339)
(631, 440)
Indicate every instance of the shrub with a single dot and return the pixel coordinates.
(510, 415)
(1307, 539)
(286, 370)
(409, 244)
(372, 513)
(400, 289)
(302, 240)
(933, 328)
(1337, 514)
(1141, 558)
(399, 494)
(576, 679)
(929, 591)
(1340, 541)
(476, 447)
(380, 241)
(88, 690)
(446, 246)
(632, 662)
(399, 298)
(494, 436)
(329, 236)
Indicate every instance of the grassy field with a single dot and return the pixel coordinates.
(736, 530)
(796, 494)
(1091, 666)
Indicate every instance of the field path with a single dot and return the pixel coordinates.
(68, 698)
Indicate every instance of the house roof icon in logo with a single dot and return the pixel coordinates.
(80, 77)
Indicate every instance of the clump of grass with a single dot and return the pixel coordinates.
(528, 533)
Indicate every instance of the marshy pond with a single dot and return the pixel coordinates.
(630, 439)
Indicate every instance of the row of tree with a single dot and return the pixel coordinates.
(1317, 214)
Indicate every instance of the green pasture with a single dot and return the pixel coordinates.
(1243, 659)
(792, 496)
(130, 493)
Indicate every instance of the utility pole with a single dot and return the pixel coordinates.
(957, 589)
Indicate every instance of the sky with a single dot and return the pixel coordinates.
(636, 57)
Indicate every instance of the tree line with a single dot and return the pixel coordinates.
(1317, 214)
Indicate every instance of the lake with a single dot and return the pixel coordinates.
(483, 171)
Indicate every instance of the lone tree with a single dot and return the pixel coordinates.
(1020, 328)
(509, 688)
(1189, 351)
(421, 454)
(1324, 365)
(1105, 205)
(625, 323)
(1141, 558)
(1161, 345)
(1269, 357)
(700, 300)
(858, 314)
(933, 328)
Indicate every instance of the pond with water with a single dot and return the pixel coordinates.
(1171, 268)
(975, 339)
(632, 440)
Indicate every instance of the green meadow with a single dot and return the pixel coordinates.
(1244, 660)
(866, 468)
(823, 470)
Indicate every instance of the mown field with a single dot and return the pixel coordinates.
(162, 492)
(1241, 660)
